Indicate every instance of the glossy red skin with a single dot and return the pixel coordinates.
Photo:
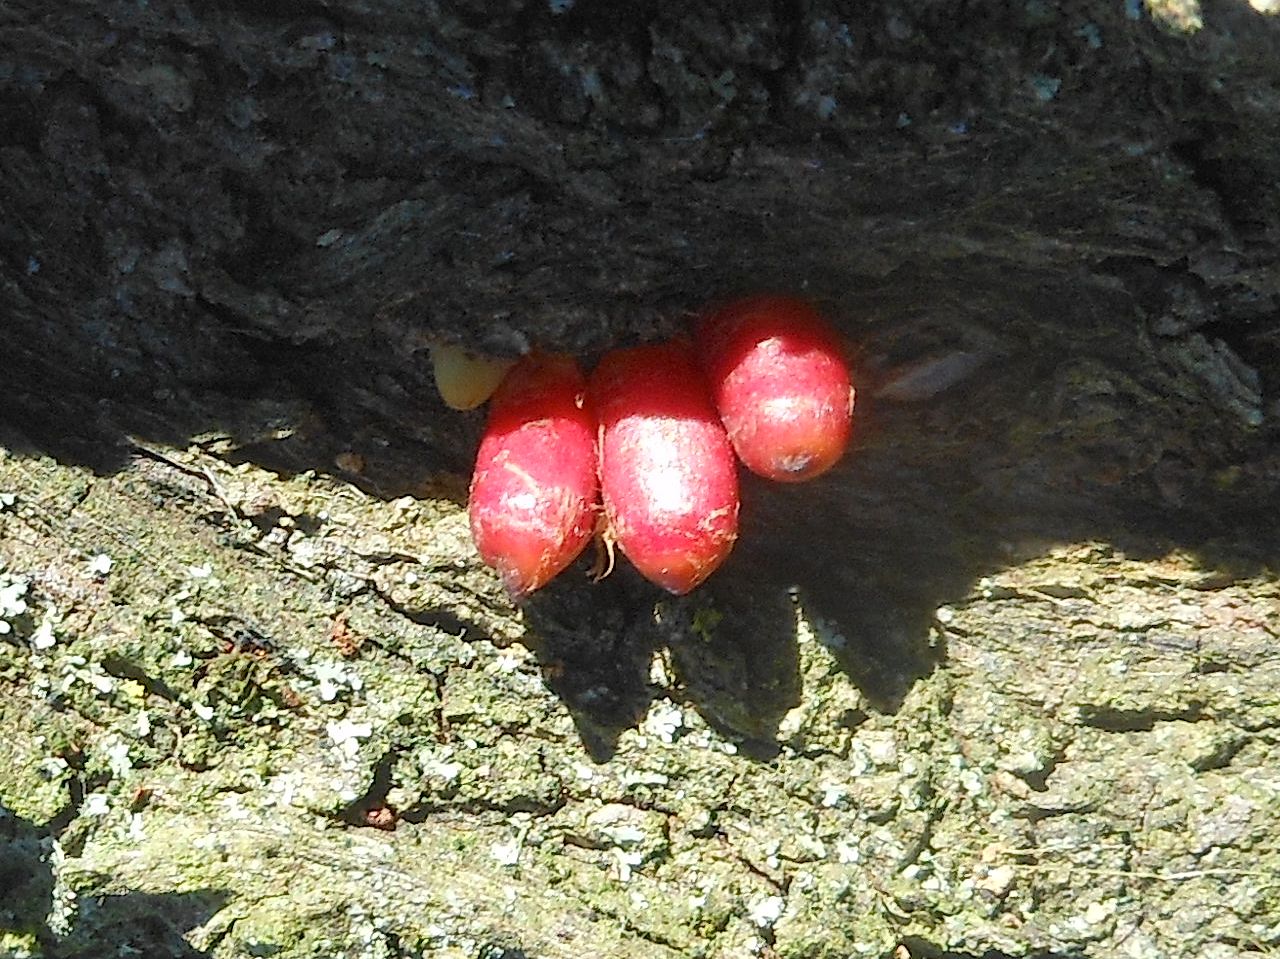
(534, 490)
(780, 382)
(668, 479)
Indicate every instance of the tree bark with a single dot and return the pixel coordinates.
(1003, 683)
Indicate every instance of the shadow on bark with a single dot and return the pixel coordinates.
(138, 923)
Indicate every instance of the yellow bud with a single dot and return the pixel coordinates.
(465, 380)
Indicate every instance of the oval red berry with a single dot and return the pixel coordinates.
(534, 489)
(667, 476)
(780, 383)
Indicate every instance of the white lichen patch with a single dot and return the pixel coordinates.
(52, 767)
(765, 911)
(62, 905)
(833, 794)
(77, 670)
(506, 853)
(664, 720)
(333, 679)
(625, 863)
(847, 852)
(96, 804)
(116, 752)
(445, 771)
(346, 735)
(44, 638)
(12, 601)
(660, 672)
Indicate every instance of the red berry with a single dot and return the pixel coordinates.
(533, 492)
(668, 480)
(780, 383)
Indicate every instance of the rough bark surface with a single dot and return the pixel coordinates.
(1005, 683)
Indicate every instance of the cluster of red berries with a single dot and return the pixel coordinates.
(643, 452)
